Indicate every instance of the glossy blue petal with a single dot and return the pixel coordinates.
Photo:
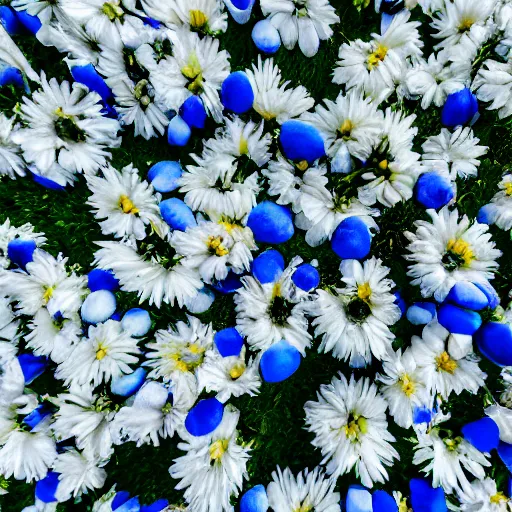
(358, 499)
(352, 239)
(494, 340)
(383, 502)
(391, 6)
(433, 190)
(306, 277)
(492, 296)
(120, 498)
(271, 223)
(228, 341)
(157, 506)
(228, 285)
(204, 417)
(20, 251)
(266, 37)
(254, 500)
(236, 93)
(400, 302)
(268, 266)
(458, 320)
(178, 132)
(240, 9)
(132, 505)
(10, 75)
(460, 107)
(98, 306)
(421, 415)
(128, 385)
(483, 434)
(193, 112)
(467, 295)
(505, 453)
(99, 279)
(9, 20)
(280, 361)
(47, 487)
(202, 301)
(88, 76)
(136, 321)
(487, 214)
(164, 175)
(424, 498)
(37, 415)
(421, 313)
(301, 141)
(177, 214)
(32, 366)
(31, 23)
(47, 182)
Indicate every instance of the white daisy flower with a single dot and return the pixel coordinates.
(53, 336)
(354, 321)
(46, 283)
(272, 98)
(8, 233)
(229, 376)
(323, 210)
(8, 322)
(77, 474)
(402, 387)
(375, 67)
(309, 490)
(305, 21)
(86, 417)
(65, 125)
(127, 203)
(157, 412)
(153, 277)
(11, 163)
(270, 312)
(214, 467)
(352, 121)
(456, 154)
(493, 83)
(106, 353)
(177, 352)
(449, 250)
(195, 67)
(215, 248)
(441, 371)
(350, 427)
(485, 498)
(448, 458)
(501, 204)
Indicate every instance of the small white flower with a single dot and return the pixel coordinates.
(305, 21)
(501, 204)
(8, 233)
(272, 98)
(350, 427)
(11, 163)
(456, 154)
(486, 498)
(448, 250)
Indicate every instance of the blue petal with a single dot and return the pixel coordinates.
(492, 296)
(21, 252)
(120, 498)
(280, 361)
(306, 277)
(483, 434)
(460, 108)
(98, 307)
(99, 279)
(47, 182)
(164, 175)
(254, 500)
(424, 498)
(467, 295)
(383, 502)
(228, 285)
(271, 223)
(358, 499)
(487, 214)
(157, 506)
(433, 190)
(37, 415)
(193, 112)
(301, 141)
(178, 132)
(229, 342)
(128, 385)
(136, 321)
(88, 76)
(400, 302)
(352, 239)
(204, 417)
(505, 453)
(32, 366)
(132, 505)
(458, 320)
(240, 9)
(494, 340)
(177, 214)
(268, 266)
(391, 6)
(47, 487)
(10, 75)
(266, 37)
(421, 415)
(421, 313)
(9, 20)
(236, 93)
(31, 23)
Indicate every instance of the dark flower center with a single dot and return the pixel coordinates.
(358, 310)
(67, 129)
(279, 310)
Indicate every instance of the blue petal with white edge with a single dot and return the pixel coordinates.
(47, 182)
(301, 141)
(177, 214)
(424, 498)
(9, 20)
(460, 107)
(157, 506)
(204, 417)
(489, 291)
(47, 487)
(32, 366)
(458, 320)
(352, 239)
(505, 453)
(483, 434)
(178, 132)
(433, 190)
(229, 285)
(20, 251)
(99, 279)
(120, 498)
(240, 9)
(421, 415)
(268, 266)
(467, 295)
(487, 214)
(400, 302)
(494, 340)
(342, 162)
(201, 301)
(136, 321)
(383, 502)
(98, 306)
(358, 499)
(126, 505)
(391, 6)
(421, 313)
(236, 93)
(229, 342)
(266, 37)
(38, 415)
(88, 76)
(254, 500)
(306, 277)
(271, 223)
(128, 385)
(10, 75)
(193, 112)
(31, 23)
(164, 175)
(280, 361)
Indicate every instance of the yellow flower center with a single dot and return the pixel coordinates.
(346, 128)
(402, 507)
(452, 444)
(194, 73)
(499, 497)
(376, 57)
(228, 225)
(383, 165)
(364, 291)
(112, 11)
(237, 370)
(198, 19)
(446, 363)
(187, 358)
(304, 507)
(461, 249)
(508, 188)
(126, 204)
(407, 384)
(100, 353)
(302, 165)
(218, 448)
(48, 293)
(214, 244)
(243, 147)
(465, 23)
(276, 291)
(356, 425)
